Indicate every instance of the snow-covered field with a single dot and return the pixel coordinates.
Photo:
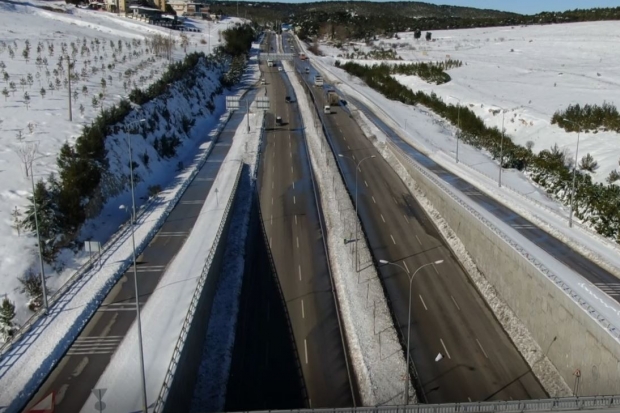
(104, 47)
(530, 72)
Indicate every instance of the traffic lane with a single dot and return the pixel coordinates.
(325, 371)
(494, 377)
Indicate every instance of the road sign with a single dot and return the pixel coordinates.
(45, 405)
(99, 405)
(232, 102)
(276, 56)
(262, 102)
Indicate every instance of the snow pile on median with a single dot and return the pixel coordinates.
(542, 368)
(376, 354)
(210, 391)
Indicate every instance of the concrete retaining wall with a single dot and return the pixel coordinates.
(570, 337)
(182, 388)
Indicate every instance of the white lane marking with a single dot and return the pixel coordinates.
(299, 270)
(294, 199)
(435, 268)
(383, 219)
(306, 350)
(271, 200)
(469, 398)
(344, 137)
(406, 219)
(269, 242)
(483, 352)
(298, 246)
(348, 147)
(353, 157)
(416, 237)
(445, 349)
(406, 267)
(423, 303)
(290, 154)
(292, 169)
(392, 239)
(271, 184)
(454, 301)
(293, 184)
(295, 219)
(303, 314)
(395, 201)
(366, 183)
(272, 220)
(373, 199)
(340, 130)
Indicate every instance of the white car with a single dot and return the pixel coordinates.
(279, 68)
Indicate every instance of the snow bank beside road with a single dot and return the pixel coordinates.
(378, 361)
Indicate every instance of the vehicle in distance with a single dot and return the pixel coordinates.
(307, 70)
(269, 63)
(279, 68)
(288, 99)
(332, 97)
(302, 56)
(327, 109)
(278, 120)
(262, 81)
(318, 80)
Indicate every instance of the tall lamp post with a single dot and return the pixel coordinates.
(458, 114)
(357, 166)
(572, 193)
(409, 314)
(501, 152)
(135, 270)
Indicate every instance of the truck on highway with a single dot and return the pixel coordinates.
(270, 63)
(318, 80)
(331, 97)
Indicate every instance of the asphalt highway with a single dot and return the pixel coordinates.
(78, 371)
(448, 316)
(291, 220)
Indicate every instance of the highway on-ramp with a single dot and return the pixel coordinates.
(291, 220)
(448, 316)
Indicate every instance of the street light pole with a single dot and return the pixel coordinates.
(356, 216)
(501, 153)
(36, 223)
(135, 274)
(572, 193)
(409, 315)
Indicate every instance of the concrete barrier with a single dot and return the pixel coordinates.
(571, 338)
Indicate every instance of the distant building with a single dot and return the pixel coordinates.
(189, 8)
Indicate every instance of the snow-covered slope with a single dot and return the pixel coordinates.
(119, 49)
(530, 72)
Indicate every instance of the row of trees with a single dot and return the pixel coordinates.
(76, 192)
(588, 118)
(550, 168)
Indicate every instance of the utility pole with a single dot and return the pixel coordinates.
(69, 84)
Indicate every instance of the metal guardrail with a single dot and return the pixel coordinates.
(178, 348)
(606, 324)
(316, 192)
(560, 404)
(275, 273)
(109, 246)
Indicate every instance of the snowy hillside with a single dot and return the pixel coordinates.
(112, 56)
(530, 72)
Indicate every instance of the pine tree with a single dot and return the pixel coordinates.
(7, 314)
(32, 287)
(47, 215)
(17, 224)
(42, 92)
(5, 92)
(588, 163)
(27, 100)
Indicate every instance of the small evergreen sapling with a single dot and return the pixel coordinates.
(7, 314)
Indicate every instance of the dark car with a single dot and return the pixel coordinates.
(279, 120)
(288, 99)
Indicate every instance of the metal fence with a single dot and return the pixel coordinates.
(512, 406)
